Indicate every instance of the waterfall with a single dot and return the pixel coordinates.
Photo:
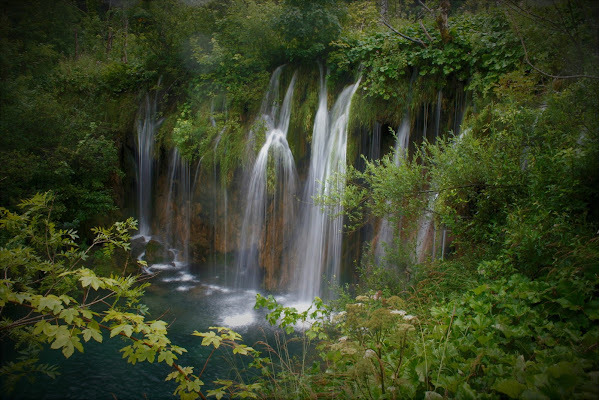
(375, 145)
(438, 113)
(147, 126)
(318, 244)
(220, 204)
(386, 232)
(426, 226)
(272, 186)
(178, 207)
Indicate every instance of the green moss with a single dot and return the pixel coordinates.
(121, 110)
(303, 111)
(119, 263)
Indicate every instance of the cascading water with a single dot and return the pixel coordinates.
(375, 146)
(426, 228)
(272, 187)
(318, 244)
(178, 207)
(218, 185)
(147, 126)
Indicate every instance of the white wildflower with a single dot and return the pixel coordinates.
(369, 353)
(400, 312)
(409, 317)
(343, 338)
(338, 317)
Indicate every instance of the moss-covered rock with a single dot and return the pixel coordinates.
(157, 253)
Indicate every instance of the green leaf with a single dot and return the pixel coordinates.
(51, 303)
(68, 350)
(92, 333)
(172, 375)
(124, 328)
(167, 357)
(480, 289)
(68, 314)
(39, 327)
(218, 393)
(240, 349)
(92, 280)
(432, 396)
(511, 387)
(210, 338)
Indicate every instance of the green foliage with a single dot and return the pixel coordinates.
(236, 62)
(47, 299)
(489, 331)
(516, 192)
(216, 139)
(383, 189)
(481, 50)
(376, 333)
(512, 337)
(285, 375)
(309, 26)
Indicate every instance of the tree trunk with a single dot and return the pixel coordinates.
(442, 21)
(76, 45)
(384, 7)
(109, 40)
(125, 41)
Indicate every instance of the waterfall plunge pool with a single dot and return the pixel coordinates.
(189, 298)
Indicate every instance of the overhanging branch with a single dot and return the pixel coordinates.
(418, 41)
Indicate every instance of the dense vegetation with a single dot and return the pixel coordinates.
(510, 311)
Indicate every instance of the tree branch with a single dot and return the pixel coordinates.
(426, 8)
(532, 16)
(426, 32)
(418, 41)
(537, 69)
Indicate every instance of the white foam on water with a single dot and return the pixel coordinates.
(181, 277)
(161, 267)
(185, 277)
(217, 288)
(239, 320)
(140, 236)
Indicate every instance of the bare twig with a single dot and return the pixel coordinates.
(206, 363)
(425, 7)
(426, 32)
(22, 322)
(537, 69)
(532, 16)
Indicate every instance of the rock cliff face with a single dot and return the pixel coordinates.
(209, 219)
(216, 217)
(275, 248)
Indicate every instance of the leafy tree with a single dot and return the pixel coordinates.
(309, 26)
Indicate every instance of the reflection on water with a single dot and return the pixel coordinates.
(189, 299)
